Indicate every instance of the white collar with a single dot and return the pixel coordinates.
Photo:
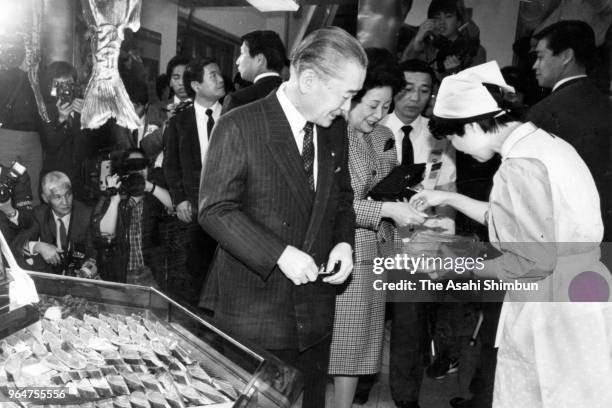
(517, 134)
(215, 107)
(266, 74)
(295, 118)
(393, 122)
(65, 217)
(564, 80)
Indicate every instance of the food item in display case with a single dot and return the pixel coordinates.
(111, 359)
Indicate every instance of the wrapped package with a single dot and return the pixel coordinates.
(105, 95)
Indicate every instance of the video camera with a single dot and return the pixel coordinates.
(132, 182)
(8, 180)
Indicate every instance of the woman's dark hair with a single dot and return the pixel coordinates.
(382, 70)
(440, 127)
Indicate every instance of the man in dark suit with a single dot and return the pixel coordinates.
(276, 195)
(188, 136)
(575, 110)
(60, 234)
(262, 58)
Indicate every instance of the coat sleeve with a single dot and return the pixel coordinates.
(521, 213)
(29, 234)
(344, 227)
(172, 163)
(222, 188)
(367, 212)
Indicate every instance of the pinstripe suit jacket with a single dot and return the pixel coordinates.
(369, 163)
(255, 200)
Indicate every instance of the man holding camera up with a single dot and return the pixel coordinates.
(63, 147)
(59, 239)
(125, 222)
(15, 200)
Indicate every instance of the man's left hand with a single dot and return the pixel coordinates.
(342, 253)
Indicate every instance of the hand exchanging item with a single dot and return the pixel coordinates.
(428, 198)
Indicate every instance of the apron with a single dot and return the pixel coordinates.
(554, 353)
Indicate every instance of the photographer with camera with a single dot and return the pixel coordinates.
(15, 200)
(64, 146)
(126, 222)
(59, 240)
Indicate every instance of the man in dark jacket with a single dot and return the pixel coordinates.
(59, 239)
(575, 110)
(279, 209)
(262, 58)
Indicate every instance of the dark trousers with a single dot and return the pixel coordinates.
(484, 377)
(312, 362)
(190, 253)
(408, 347)
(200, 252)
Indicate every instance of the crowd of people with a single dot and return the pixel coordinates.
(253, 205)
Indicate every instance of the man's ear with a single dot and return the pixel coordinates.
(194, 85)
(567, 56)
(262, 61)
(308, 80)
(44, 197)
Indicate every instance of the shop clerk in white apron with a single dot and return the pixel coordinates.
(543, 215)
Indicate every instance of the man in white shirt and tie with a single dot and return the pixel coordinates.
(60, 232)
(187, 135)
(406, 118)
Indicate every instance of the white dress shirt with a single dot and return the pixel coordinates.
(423, 143)
(297, 123)
(58, 242)
(202, 122)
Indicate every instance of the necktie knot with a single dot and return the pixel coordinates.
(209, 112)
(308, 128)
(407, 129)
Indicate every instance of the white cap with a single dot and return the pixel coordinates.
(464, 97)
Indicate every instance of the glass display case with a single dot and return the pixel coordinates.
(106, 330)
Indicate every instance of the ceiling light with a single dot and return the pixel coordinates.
(275, 5)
